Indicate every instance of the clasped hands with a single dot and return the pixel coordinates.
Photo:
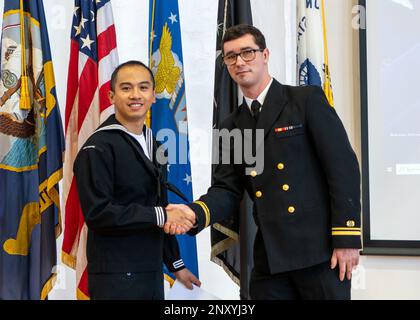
(179, 219)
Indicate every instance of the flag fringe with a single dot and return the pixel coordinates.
(219, 262)
(81, 296)
(49, 285)
(230, 233)
(68, 260)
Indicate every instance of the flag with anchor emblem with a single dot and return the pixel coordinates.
(31, 148)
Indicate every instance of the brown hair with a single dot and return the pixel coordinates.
(241, 30)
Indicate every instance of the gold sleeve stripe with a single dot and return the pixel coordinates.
(206, 212)
(346, 229)
(346, 233)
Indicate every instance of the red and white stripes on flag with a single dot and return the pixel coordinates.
(93, 57)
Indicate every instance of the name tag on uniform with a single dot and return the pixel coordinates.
(289, 128)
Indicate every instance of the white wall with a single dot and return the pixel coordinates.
(378, 277)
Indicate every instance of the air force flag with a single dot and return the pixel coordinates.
(169, 113)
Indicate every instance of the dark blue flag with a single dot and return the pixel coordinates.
(31, 148)
(231, 241)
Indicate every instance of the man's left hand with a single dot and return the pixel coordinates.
(187, 278)
(347, 260)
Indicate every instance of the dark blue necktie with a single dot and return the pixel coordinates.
(255, 107)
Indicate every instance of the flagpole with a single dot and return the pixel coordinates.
(152, 30)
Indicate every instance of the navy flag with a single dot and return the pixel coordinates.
(170, 110)
(31, 148)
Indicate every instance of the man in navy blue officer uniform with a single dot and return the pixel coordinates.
(306, 198)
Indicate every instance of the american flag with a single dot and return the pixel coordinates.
(93, 57)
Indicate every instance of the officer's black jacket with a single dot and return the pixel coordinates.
(307, 198)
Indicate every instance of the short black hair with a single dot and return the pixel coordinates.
(129, 64)
(241, 30)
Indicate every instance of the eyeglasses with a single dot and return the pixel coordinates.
(246, 55)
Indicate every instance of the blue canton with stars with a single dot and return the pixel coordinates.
(84, 26)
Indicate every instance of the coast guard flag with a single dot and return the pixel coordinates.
(312, 51)
(93, 58)
(170, 110)
(31, 147)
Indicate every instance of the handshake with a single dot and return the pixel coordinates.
(180, 219)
